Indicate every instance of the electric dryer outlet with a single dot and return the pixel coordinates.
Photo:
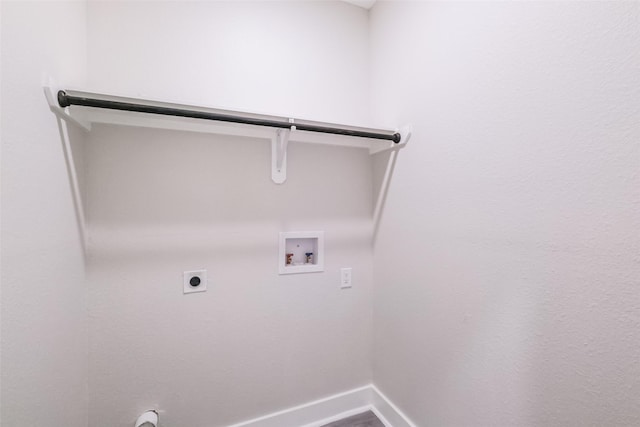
(194, 281)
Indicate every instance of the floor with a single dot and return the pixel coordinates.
(366, 419)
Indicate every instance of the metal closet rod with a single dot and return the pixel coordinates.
(66, 100)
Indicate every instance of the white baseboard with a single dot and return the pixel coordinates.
(336, 417)
(388, 413)
(333, 408)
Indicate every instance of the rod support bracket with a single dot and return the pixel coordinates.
(279, 144)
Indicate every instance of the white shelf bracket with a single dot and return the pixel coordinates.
(279, 143)
(64, 119)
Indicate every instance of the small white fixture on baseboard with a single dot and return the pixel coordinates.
(195, 281)
(148, 419)
(301, 252)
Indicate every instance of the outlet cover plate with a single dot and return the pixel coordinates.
(346, 275)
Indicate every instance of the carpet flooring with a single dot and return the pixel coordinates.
(366, 419)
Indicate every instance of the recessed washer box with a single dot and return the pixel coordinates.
(301, 252)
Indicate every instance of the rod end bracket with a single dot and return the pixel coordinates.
(404, 135)
(63, 99)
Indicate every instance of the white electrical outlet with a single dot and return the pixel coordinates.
(345, 277)
(194, 281)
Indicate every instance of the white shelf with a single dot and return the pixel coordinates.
(108, 113)
(85, 116)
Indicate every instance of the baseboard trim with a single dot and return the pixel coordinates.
(340, 416)
(332, 408)
(385, 408)
(310, 413)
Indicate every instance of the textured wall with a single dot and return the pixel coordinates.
(44, 333)
(163, 202)
(507, 266)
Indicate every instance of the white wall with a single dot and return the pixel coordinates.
(162, 202)
(44, 334)
(506, 263)
(507, 266)
(308, 59)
